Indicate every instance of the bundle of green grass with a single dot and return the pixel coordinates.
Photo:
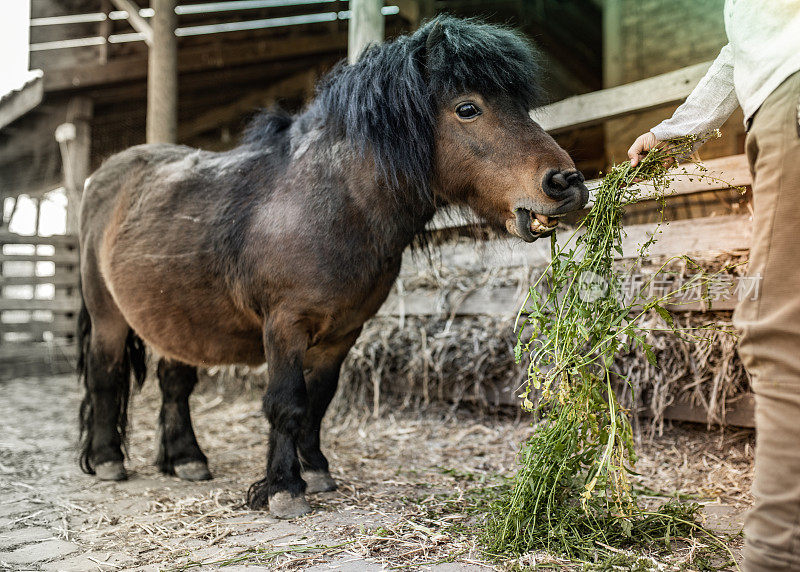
(572, 495)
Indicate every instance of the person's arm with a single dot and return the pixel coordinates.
(706, 108)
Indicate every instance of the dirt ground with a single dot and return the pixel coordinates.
(405, 482)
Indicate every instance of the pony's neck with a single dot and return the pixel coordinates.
(395, 215)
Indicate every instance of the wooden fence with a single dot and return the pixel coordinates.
(38, 305)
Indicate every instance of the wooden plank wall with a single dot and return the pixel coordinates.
(39, 303)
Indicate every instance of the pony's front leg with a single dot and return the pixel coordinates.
(285, 404)
(322, 365)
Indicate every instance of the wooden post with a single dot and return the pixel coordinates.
(366, 26)
(613, 72)
(162, 75)
(105, 28)
(75, 141)
(135, 20)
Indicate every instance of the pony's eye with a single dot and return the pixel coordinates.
(468, 111)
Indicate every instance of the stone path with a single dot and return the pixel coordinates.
(52, 517)
(37, 433)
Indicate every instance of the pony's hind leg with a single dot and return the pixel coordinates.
(109, 351)
(324, 363)
(178, 451)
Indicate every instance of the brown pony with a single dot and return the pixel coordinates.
(280, 249)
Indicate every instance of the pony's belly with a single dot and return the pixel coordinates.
(195, 325)
(217, 347)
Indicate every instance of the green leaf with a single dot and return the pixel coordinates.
(651, 357)
(627, 527)
(664, 313)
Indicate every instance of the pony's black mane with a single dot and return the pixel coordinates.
(264, 126)
(386, 103)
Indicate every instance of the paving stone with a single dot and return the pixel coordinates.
(89, 561)
(15, 508)
(284, 532)
(257, 519)
(24, 535)
(40, 552)
(346, 565)
(724, 519)
(210, 554)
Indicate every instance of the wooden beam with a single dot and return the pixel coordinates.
(739, 412)
(612, 43)
(487, 301)
(62, 279)
(67, 305)
(689, 178)
(635, 97)
(716, 234)
(61, 257)
(216, 56)
(59, 239)
(162, 75)
(501, 302)
(135, 20)
(12, 354)
(696, 236)
(366, 26)
(295, 84)
(19, 102)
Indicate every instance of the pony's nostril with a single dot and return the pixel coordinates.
(575, 178)
(559, 181)
(560, 185)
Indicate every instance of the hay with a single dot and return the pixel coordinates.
(401, 475)
(467, 359)
(709, 374)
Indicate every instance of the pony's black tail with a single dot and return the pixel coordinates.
(134, 362)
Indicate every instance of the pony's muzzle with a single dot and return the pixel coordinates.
(566, 187)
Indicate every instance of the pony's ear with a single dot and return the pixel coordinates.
(435, 35)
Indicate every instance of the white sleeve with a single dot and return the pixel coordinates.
(709, 104)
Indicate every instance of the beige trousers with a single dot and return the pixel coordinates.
(770, 324)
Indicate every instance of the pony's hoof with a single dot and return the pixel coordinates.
(284, 505)
(193, 471)
(111, 471)
(318, 481)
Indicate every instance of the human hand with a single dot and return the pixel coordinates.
(641, 146)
